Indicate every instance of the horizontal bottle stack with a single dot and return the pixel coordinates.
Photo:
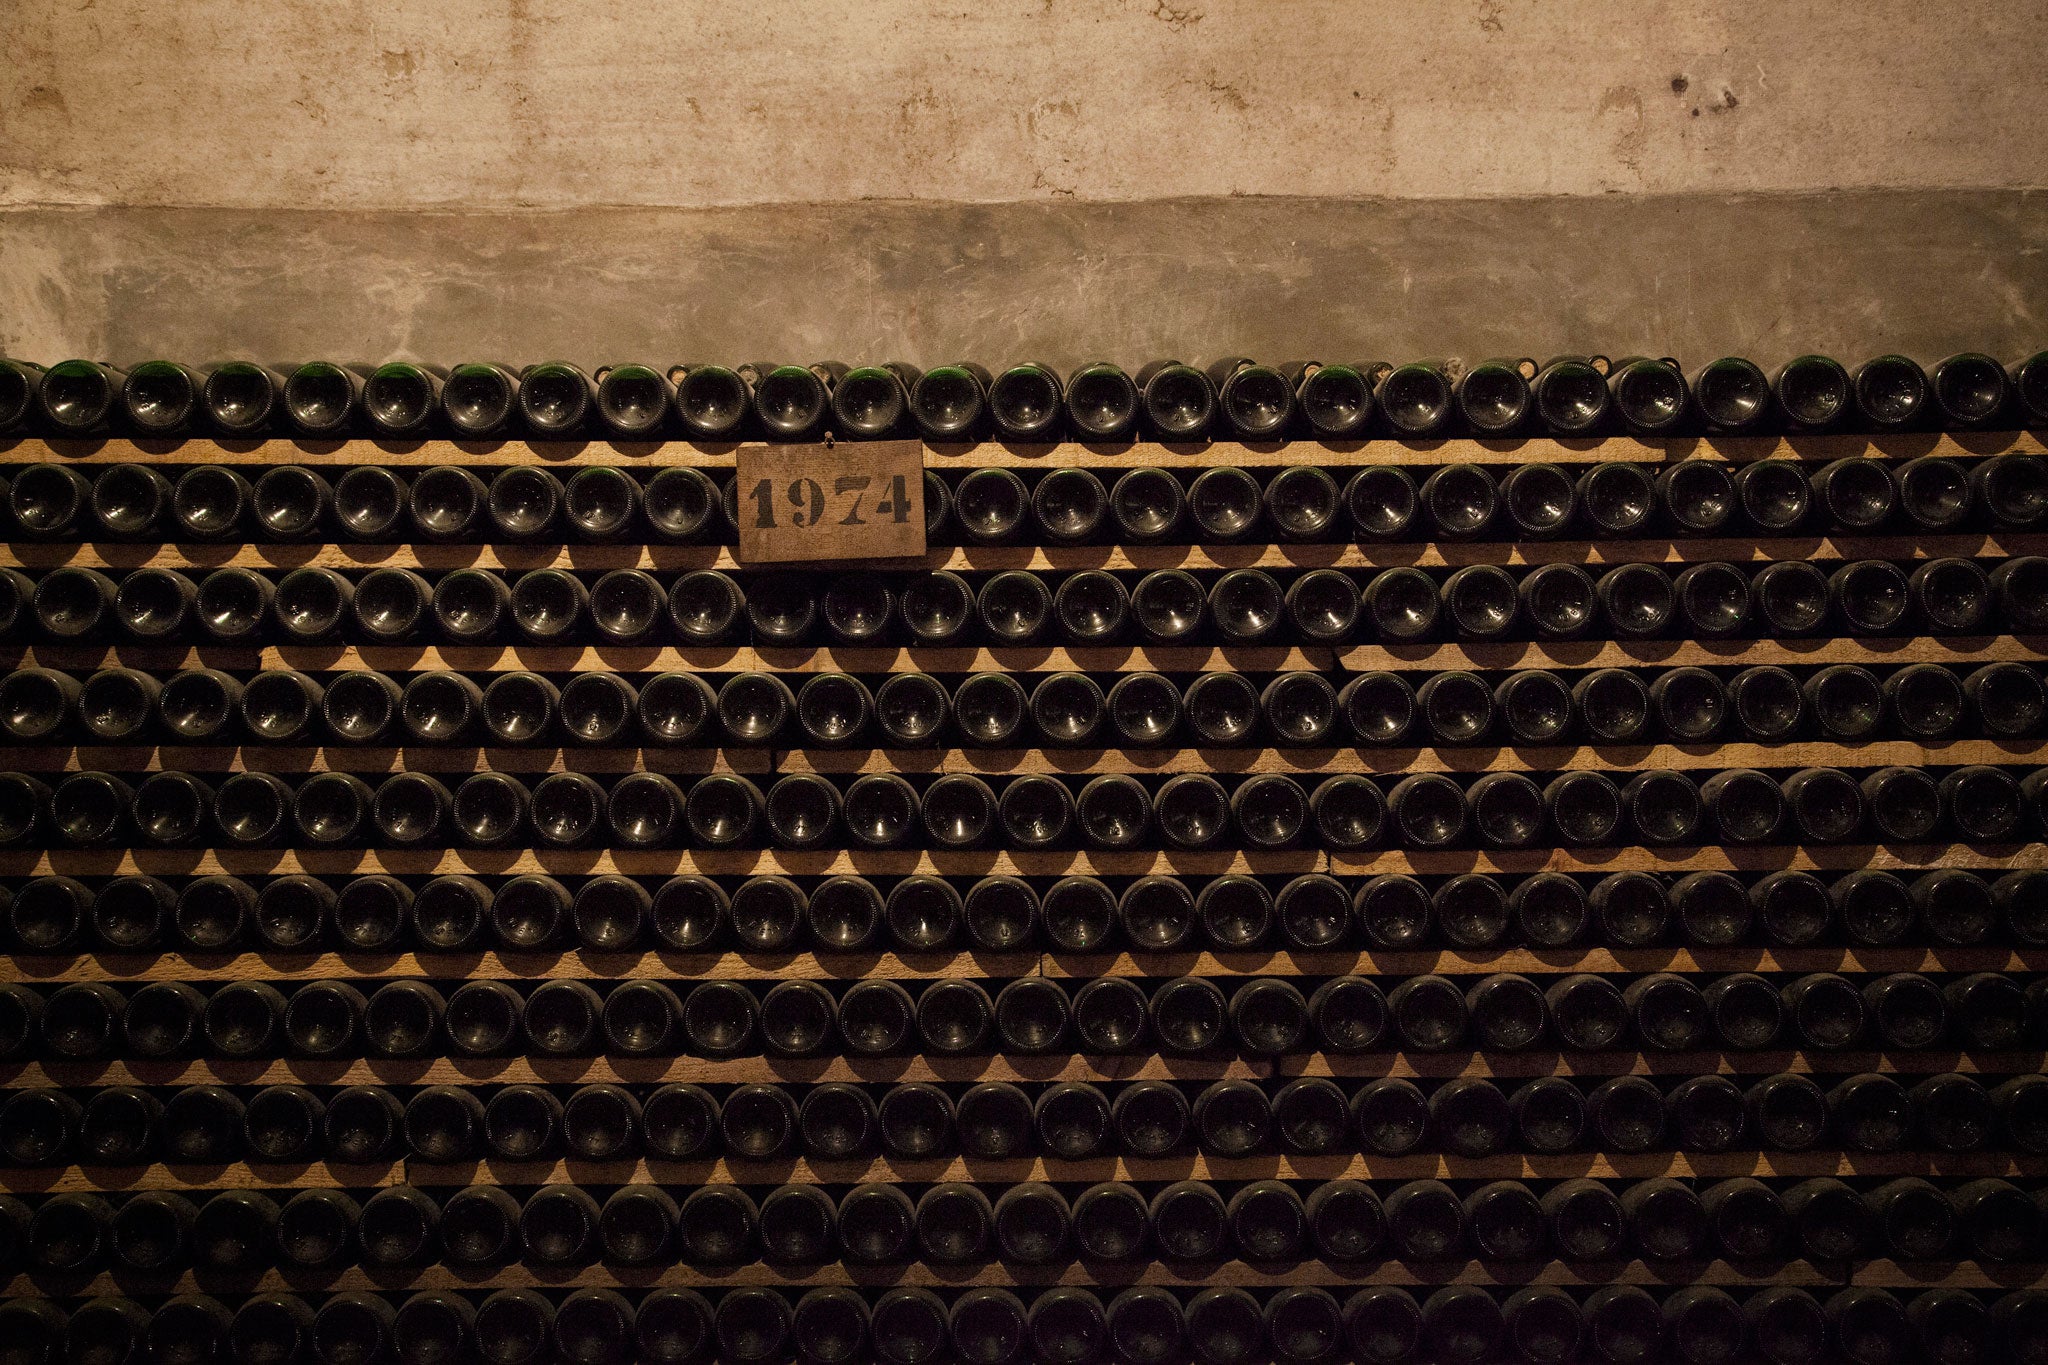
(1163, 400)
(1332, 862)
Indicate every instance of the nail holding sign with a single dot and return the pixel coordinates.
(850, 500)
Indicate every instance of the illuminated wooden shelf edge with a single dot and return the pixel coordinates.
(971, 558)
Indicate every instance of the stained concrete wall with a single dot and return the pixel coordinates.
(1057, 178)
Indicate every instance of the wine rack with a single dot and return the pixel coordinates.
(1987, 1284)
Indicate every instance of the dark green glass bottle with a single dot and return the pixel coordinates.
(1024, 403)
(160, 398)
(556, 399)
(1102, 403)
(480, 398)
(1334, 399)
(1493, 397)
(1256, 400)
(713, 402)
(1177, 400)
(322, 398)
(19, 380)
(634, 401)
(242, 398)
(1731, 394)
(1571, 395)
(79, 397)
(793, 402)
(950, 402)
(1415, 399)
(1812, 392)
(402, 399)
(1648, 393)
(873, 401)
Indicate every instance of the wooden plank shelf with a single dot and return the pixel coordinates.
(1194, 1166)
(1013, 1067)
(446, 1177)
(1869, 650)
(1118, 455)
(1400, 761)
(1415, 1065)
(665, 965)
(1531, 962)
(464, 759)
(647, 862)
(985, 862)
(450, 760)
(1103, 1277)
(661, 965)
(200, 556)
(330, 658)
(233, 1175)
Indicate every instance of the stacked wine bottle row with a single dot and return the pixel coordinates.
(1164, 400)
(1444, 891)
(1132, 710)
(952, 1223)
(957, 811)
(1180, 1016)
(1090, 607)
(1068, 505)
(1460, 1125)
(1382, 1325)
(765, 916)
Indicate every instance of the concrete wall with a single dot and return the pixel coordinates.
(1058, 178)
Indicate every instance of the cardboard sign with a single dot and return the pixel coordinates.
(851, 500)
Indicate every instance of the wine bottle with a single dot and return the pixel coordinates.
(1414, 400)
(1460, 500)
(1549, 1117)
(1588, 1012)
(1381, 502)
(1871, 596)
(1571, 395)
(1855, 494)
(1790, 597)
(1774, 494)
(1541, 499)
(1493, 396)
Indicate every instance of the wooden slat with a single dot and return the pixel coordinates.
(1530, 962)
(648, 862)
(514, 966)
(1122, 455)
(1873, 651)
(989, 558)
(974, 863)
(1097, 1275)
(235, 1175)
(1195, 1166)
(1401, 761)
(447, 1176)
(419, 758)
(1726, 1063)
(652, 1070)
(1729, 858)
(660, 659)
